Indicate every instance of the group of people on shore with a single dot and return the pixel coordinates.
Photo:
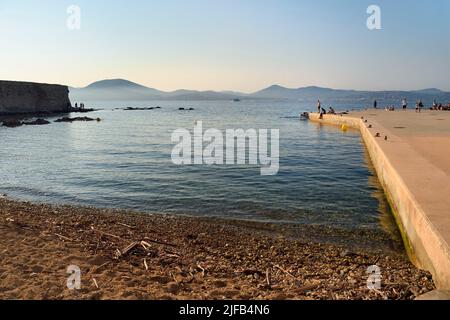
(322, 111)
(81, 106)
(419, 106)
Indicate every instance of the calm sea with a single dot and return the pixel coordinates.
(125, 162)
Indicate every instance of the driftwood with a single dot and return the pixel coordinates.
(161, 243)
(268, 279)
(63, 237)
(145, 264)
(95, 283)
(285, 271)
(202, 269)
(108, 234)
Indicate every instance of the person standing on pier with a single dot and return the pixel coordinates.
(405, 104)
(319, 106)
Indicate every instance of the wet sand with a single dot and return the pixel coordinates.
(185, 258)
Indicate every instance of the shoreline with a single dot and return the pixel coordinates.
(180, 257)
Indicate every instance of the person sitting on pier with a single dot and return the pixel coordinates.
(435, 105)
(331, 111)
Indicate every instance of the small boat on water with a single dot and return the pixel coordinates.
(304, 116)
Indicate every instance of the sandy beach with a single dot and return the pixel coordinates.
(125, 255)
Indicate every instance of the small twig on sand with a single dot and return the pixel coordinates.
(161, 243)
(145, 264)
(95, 283)
(146, 245)
(63, 237)
(130, 247)
(102, 266)
(108, 234)
(125, 225)
(285, 271)
(268, 279)
(202, 269)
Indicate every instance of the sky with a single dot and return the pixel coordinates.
(240, 45)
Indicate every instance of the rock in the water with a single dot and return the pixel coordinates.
(139, 109)
(12, 123)
(67, 119)
(37, 122)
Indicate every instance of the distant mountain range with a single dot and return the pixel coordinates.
(124, 90)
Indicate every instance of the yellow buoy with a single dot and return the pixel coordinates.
(344, 127)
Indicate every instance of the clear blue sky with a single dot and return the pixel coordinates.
(229, 44)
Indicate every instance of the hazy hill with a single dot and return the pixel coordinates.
(119, 89)
(327, 94)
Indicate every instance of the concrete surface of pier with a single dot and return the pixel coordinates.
(411, 154)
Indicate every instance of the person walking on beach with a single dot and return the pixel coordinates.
(405, 104)
(319, 106)
(375, 104)
(435, 104)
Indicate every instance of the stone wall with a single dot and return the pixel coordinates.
(27, 97)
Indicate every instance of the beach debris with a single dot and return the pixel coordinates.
(377, 135)
(268, 278)
(128, 248)
(199, 266)
(145, 264)
(386, 138)
(308, 287)
(63, 237)
(161, 243)
(370, 126)
(107, 234)
(146, 245)
(95, 283)
(284, 271)
(304, 270)
(125, 225)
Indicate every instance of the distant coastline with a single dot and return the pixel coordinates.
(119, 89)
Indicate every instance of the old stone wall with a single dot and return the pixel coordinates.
(27, 97)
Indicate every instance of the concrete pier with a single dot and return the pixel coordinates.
(412, 160)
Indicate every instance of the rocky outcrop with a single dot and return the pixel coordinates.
(28, 97)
